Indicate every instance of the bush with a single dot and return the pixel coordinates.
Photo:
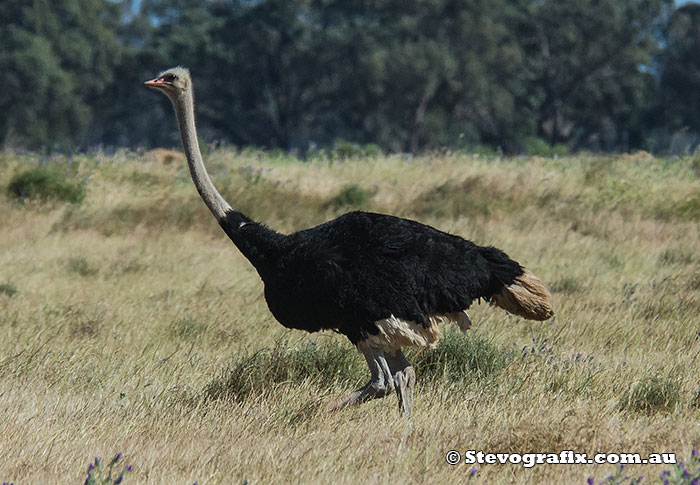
(352, 196)
(460, 357)
(324, 364)
(540, 148)
(46, 183)
(651, 395)
(81, 266)
(8, 289)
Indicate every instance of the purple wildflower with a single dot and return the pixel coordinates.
(128, 468)
(119, 479)
(473, 471)
(590, 481)
(694, 453)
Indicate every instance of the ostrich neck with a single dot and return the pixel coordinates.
(184, 109)
(261, 245)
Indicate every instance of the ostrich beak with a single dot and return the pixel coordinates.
(156, 83)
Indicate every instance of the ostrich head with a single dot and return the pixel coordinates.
(173, 83)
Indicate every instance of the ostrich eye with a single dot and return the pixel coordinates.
(169, 77)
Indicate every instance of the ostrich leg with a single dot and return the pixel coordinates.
(404, 380)
(381, 382)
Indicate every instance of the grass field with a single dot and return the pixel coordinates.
(130, 324)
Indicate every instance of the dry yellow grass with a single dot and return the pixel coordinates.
(128, 306)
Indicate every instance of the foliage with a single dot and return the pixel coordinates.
(652, 394)
(324, 364)
(538, 77)
(352, 196)
(461, 357)
(57, 60)
(81, 266)
(456, 358)
(680, 84)
(540, 148)
(8, 289)
(584, 84)
(46, 182)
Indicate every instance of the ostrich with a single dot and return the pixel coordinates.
(382, 281)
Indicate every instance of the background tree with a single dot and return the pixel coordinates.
(57, 59)
(408, 75)
(586, 68)
(680, 71)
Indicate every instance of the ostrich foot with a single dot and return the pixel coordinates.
(404, 381)
(381, 382)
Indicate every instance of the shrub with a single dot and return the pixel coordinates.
(540, 148)
(352, 196)
(459, 357)
(345, 150)
(652, 394)
(8, 289)
(81, 266)
(46, 183)
(325, 364)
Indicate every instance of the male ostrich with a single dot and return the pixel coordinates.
(382, 281)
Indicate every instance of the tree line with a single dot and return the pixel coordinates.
(407, 75)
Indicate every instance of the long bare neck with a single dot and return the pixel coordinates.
(261, 245)
(184, 110)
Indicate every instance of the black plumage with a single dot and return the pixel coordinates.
(348, 273)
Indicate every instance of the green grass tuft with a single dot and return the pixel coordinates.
(352, 196)
(540, 148)
(44, 183)
(323, 363)
(461, 357)
(8, 289)
(652, 395)
(187, 328)
(81, 266)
